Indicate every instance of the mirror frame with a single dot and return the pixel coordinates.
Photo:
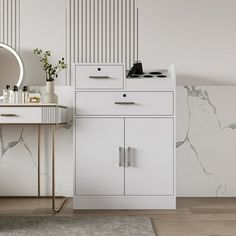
(9, 48)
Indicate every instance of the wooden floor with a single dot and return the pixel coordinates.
(193, 216)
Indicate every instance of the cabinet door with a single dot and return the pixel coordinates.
(97, 156)
(151, 156)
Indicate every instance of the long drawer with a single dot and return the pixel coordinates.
(32, 115)
(99, 77)
(124, 103)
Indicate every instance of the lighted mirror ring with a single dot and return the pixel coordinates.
(19, 62)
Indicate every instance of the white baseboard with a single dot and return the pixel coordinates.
(124, 202)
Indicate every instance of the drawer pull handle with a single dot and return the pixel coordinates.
(121, 156)
(8, 115)
(124, 103)
(99, 77)
(129, 161)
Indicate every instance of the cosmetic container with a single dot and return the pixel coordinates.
(6, 94)
(14, 95)
(24, 95)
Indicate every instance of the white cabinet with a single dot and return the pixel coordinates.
(124, 141)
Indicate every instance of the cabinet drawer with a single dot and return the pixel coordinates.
(124, 103)
(33, 115)
(99, 76)
(15, 115)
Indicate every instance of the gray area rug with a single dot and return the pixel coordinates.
(82, 226)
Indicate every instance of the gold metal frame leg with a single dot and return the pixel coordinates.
(53, 175)
(60, 206)
(39, 161)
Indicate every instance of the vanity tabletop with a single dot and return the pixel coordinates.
(32, 105)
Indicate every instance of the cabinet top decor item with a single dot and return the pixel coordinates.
(51, 70)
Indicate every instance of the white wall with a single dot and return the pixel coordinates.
(198, 35)
(42, 25)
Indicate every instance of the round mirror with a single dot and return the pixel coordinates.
(11, 68)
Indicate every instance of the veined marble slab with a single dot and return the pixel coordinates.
(206, 141)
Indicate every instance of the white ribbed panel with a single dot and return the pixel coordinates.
(9, 23)
(49, 115)
(102, 31)
(69, 38)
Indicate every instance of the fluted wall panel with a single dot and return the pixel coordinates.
(102, 31)
(9, 23)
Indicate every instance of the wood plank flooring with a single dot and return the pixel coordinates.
(193, 216)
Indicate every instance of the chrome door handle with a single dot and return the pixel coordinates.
(121, 156)
(8, 115)
(124, 103)
(98, 77)
(128, 157)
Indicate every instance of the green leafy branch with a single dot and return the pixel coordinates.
(51, 70)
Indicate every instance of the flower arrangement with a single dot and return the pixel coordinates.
(51, 70)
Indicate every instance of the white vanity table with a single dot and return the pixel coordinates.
(53, 115)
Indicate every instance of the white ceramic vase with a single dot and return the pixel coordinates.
(50, 96)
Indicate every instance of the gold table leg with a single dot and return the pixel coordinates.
(39, 161)
(53, 175)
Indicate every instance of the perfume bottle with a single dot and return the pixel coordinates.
(6, 94)
(24, 95)
(14, 95)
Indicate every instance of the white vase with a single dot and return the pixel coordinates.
(50, 96)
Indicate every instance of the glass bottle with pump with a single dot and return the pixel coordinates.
(6, 94)
(14, 96)
(24, 95)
